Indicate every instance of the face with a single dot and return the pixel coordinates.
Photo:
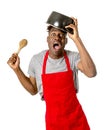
(56, 43)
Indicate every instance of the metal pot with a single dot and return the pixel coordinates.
(59, 21)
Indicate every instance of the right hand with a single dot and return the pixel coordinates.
(14, 61)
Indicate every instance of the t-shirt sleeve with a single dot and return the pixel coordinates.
(31, 71)
(76, 60)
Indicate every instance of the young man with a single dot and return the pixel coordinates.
(53, 73)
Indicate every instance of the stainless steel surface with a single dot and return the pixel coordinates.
(59, 21)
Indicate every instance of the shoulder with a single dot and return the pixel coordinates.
(72, 54)
(39, 56)
(37, 60)
(74, 58)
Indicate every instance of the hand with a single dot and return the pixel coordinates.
(75, 34)
(14, 61)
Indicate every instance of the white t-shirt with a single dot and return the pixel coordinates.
(52, 66)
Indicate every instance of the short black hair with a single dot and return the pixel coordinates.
(50, 27)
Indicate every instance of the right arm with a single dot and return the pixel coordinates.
(29, 83)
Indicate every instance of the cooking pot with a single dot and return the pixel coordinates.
(59, 21)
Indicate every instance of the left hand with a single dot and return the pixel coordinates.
(75, 34)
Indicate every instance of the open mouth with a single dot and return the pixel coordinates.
(57, 46)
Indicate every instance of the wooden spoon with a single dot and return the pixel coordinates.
(22, 44)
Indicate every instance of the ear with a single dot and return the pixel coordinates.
(47, 39)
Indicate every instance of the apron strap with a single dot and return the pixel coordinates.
(67, 61)
(44, 62)
(46, 57)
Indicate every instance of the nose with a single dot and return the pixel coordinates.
(57, 37)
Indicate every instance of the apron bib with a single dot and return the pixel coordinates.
(63, 110)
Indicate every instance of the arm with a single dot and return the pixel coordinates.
(28, 83)
(86, 64)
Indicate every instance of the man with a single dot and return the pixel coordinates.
(53, 73)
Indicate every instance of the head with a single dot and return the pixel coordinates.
(56, 40)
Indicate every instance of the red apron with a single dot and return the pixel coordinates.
(63, 110)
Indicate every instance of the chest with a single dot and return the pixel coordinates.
(58, 65)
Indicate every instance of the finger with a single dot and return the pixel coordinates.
(12, 59)
(75, 20)
(14, 55)
(70, 26)
(11, 62)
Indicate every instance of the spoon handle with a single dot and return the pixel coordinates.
(19, 49)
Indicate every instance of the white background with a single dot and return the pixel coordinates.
(27, 19)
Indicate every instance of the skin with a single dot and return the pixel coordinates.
(56, 36)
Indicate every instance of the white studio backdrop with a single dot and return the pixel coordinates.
(27, 19)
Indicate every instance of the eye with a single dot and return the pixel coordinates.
(52, 34)
(61, 35)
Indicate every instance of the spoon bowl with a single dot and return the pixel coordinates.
(22, 44)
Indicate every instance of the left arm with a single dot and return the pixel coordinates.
(86, 64)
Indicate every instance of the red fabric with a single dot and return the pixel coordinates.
(63, 110)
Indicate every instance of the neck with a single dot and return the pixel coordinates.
(56, 55)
